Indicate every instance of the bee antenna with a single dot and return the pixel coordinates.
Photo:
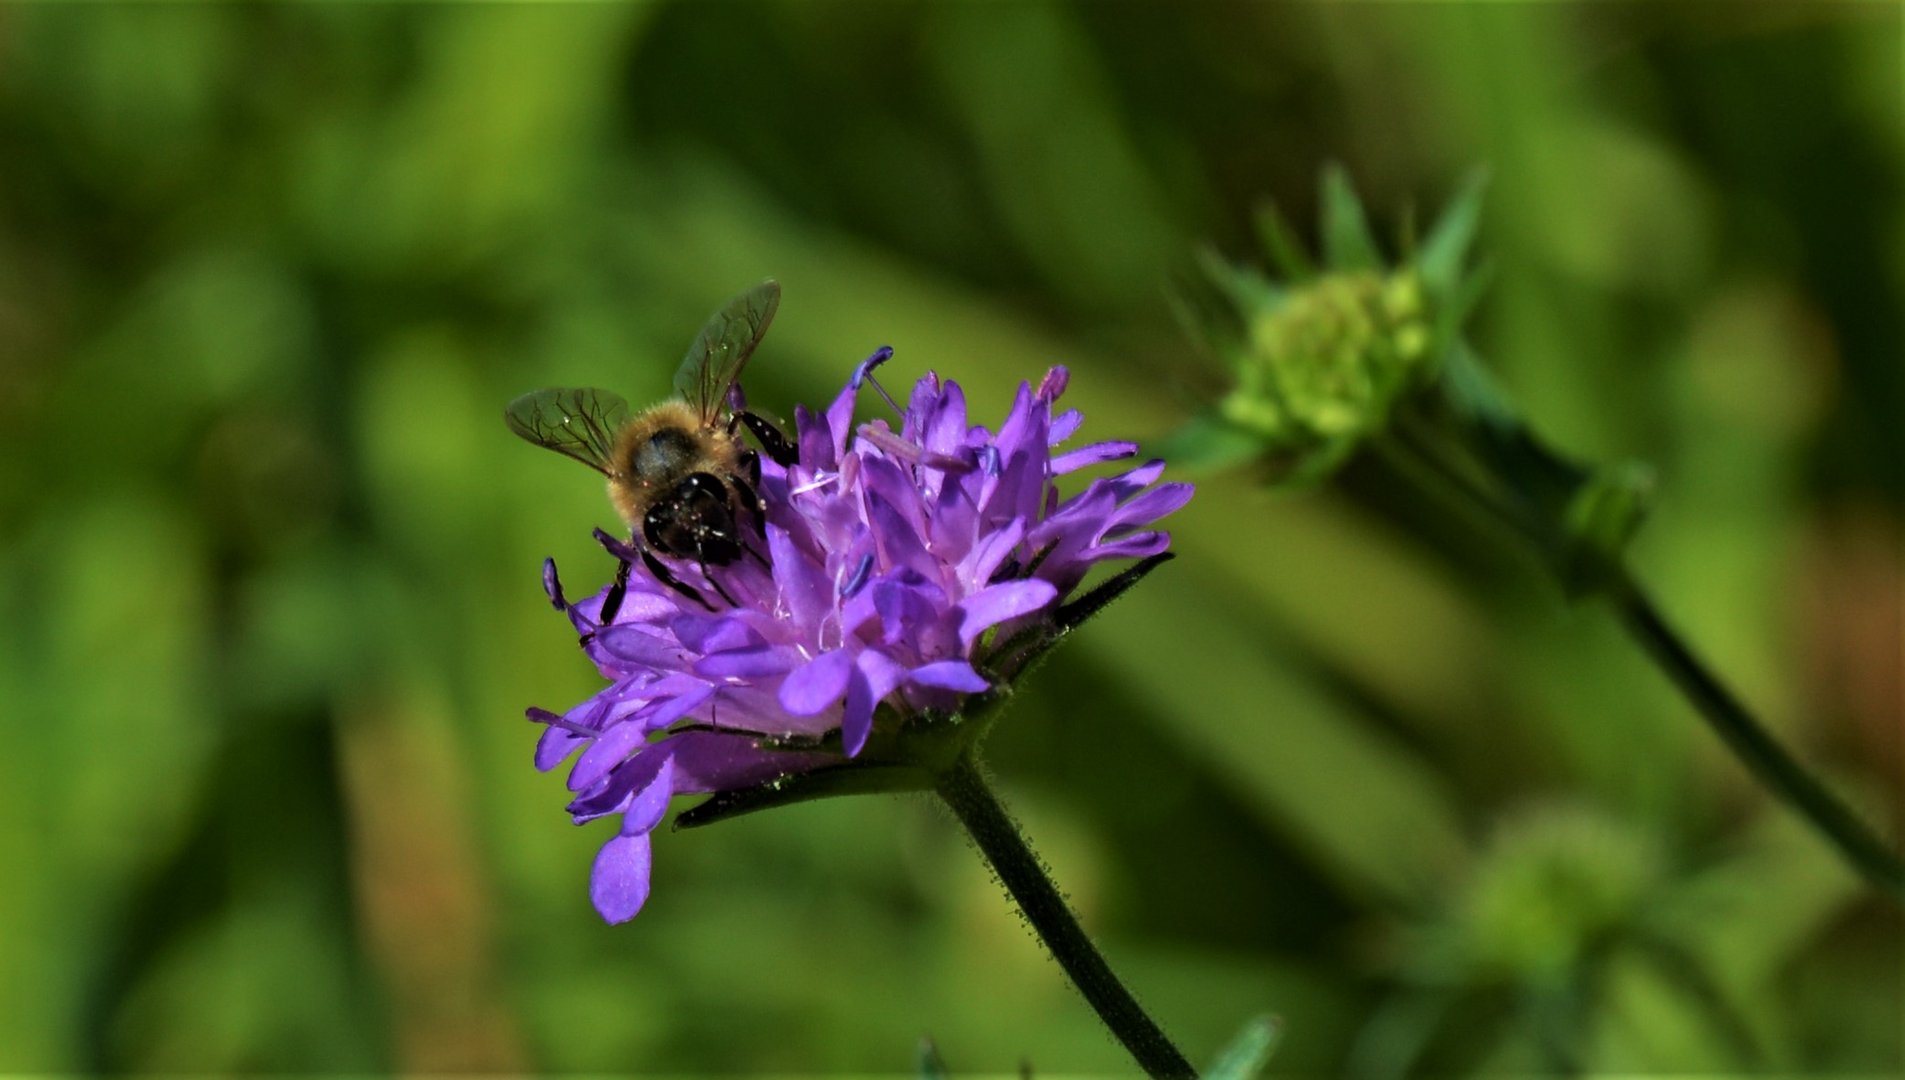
(864, 374)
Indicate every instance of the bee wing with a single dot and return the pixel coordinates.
(719, 352)
(579, 422)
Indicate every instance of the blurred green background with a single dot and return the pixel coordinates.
(269, 559)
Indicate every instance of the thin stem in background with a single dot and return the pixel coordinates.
(1749, 740)
(1005, 848)
(1754, 745)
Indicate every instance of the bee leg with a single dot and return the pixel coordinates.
(612, 603)
(744, 493)
(712, 580)
(783, 453)
(667, 577)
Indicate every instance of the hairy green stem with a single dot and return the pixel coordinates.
(1005, 848)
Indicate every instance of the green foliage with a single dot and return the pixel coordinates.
(1249, 1052)
(269, 560)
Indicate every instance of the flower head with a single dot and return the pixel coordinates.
(894, 563)
(1323, 356)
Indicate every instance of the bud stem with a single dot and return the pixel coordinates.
(964, 788)
(1419, 455)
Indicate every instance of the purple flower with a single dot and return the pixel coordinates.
(895, 561)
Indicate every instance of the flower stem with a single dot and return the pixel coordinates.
(1419, 457)
(965, 790)
(1753, 745)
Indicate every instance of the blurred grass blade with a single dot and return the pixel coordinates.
(931, 1065)
(1247, 1054)
(1209, 443)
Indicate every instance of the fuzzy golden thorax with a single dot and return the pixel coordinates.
(659, 449)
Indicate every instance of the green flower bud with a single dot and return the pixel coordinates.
(1321, 367)
(1321, 356)
(1552, 885)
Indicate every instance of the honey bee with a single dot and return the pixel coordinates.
(678, 473)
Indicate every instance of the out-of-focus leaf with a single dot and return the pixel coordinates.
(931, 1065)
(1209, 443)
(1249, 1052)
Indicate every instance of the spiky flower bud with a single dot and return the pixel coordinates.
(1326, 362)
(1321, 357)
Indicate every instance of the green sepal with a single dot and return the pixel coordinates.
(1071, 616)
(1348, 245)
(1544, 480)
(1249, 1051)
(833, 781)
(1444, 251)
(1600, 521)
(1281, 243)
(1027, 649)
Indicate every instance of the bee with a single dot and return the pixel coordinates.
(678, 473)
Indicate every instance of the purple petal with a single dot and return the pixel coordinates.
(956, 675)
(758, 662)
(995, 604)
(814, 440)
(803, 584)
(953, 523)
(714, 761)
(660, 713)
(1023, 425)
(555, 745)
(616, 791)
(1064, 426)
(919, 408)
(1150, 506)
(945, 427)
(1136, 546)
(814, 687)
(552, 585)
(894, 539)
(618, 883)
(1017, 491)
(651, 802)
(874, 676)
(609, 750)
(907, 610)
(990, 553)
(638, 644)
(712, 633)
(1095, 454)
(1137, 479)
(839, 422)
(891, 483)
